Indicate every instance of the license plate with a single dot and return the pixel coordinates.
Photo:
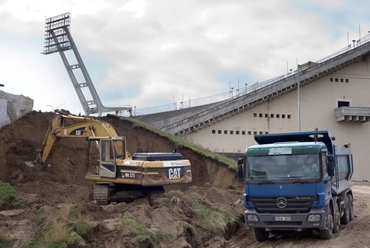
(282, 218)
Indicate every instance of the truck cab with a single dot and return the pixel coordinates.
(296, 181)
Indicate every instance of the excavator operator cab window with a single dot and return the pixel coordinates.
(112, 149)
(107, 163)
(119, 148)
(106, 151)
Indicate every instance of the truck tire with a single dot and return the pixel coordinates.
(328, 233)
(261, 234)
(345, 217)
(336, 218)
(350, 204)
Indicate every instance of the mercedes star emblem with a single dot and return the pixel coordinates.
(281, 202)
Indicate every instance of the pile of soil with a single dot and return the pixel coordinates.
(46, 197)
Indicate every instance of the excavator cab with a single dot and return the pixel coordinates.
(107, 166)
(101, 158)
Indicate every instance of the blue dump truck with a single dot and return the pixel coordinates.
(296, 181)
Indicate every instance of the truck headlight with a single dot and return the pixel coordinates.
(252, 218)
(314, 218)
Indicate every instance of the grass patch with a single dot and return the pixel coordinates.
(190, 229)
(64, 229)
(73, 213)
(60, 235)
(214, 219)
(39, 218)
(7, 194)
(80, 222)
(57, 233)
(6, 244)
(231, 164)
(82, 228)
(5, 238)
(142, 234)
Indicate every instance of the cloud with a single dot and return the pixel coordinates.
(146, 53)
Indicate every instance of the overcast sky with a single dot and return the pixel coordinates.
(148, 53)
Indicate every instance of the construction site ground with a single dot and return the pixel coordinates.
(58, 198)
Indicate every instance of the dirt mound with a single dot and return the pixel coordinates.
(62, 186)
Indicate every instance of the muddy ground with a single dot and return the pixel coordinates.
(46, 199)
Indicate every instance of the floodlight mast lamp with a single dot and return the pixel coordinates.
(57, 38)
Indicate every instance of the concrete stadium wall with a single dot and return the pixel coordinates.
(13, 107)
(318, 102)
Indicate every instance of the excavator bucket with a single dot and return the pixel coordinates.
(30, 165)
(25, 165)
(33, 165)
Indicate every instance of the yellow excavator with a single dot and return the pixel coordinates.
(108, 163)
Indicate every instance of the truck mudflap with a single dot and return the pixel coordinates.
(293, 221)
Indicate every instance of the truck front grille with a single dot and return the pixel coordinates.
(293, 204)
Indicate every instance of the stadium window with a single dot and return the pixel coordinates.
(231, 132)
(225, 131)
(255, 132)
(289, 116)
(249, 133)
(347, 80)
(341, 80)
(243, 132)
(283, 116)
(266, 132)
(331, 79)
(266, 115)
(219, 132)
(343, 104)
(213, 131)
(261, 132)
(336, 79)
(237, 132)
(277, 116)
(261, 115)
(254, 114)
(272, 115)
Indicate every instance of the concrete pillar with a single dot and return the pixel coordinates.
(13, 107)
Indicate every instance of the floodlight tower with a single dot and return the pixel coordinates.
(57, 38)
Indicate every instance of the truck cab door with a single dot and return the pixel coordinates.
(107, 166)
(240, 168)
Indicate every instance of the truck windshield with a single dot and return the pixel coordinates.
(283, 167)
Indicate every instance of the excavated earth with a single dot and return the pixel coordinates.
(45, 197)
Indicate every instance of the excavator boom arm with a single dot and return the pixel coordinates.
(72, 127)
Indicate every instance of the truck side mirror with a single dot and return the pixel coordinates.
(330, 165)
(240, 167)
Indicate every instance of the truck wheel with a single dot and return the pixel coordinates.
(350, 209)
(345, 217)
(336, 218)
(261, 234)
(328, 233)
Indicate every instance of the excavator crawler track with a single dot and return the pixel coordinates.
(101, 194)
(155, 193)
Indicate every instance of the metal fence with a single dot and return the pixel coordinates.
(240, 91)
